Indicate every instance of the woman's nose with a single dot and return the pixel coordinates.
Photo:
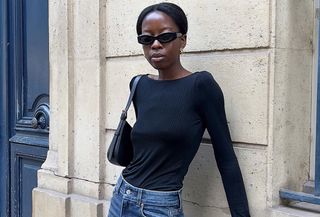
(156, 44)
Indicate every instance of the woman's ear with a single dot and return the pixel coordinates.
(183, 41)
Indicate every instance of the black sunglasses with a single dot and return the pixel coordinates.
(162, 38)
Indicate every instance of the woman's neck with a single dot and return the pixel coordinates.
(173, 73)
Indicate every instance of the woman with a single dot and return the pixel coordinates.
(173, 109)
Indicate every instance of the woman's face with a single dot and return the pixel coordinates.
(166, 55)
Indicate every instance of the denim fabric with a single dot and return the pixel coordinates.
(130, 201)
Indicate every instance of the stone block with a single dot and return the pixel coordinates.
(87, 188)
(48, 180)
(283, 211)
(243, 77)
(192, 209)
(294, 26)
(291, 120)
(213, 25)
(49, 203)
(204, 194)
(58, 60)
(86, 29)
(86, 207)
(87, 132)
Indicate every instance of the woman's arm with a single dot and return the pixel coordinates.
(211, 107)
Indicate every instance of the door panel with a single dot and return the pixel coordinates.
(25, 162)
(29, 99)
(35, 52)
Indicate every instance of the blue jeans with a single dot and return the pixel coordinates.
(130, 201)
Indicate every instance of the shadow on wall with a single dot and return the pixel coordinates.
(203, 193)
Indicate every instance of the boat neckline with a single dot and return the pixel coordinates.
(170, 80)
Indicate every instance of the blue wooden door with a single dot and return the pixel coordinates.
(24, 82)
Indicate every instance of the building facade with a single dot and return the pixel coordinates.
(264, 55)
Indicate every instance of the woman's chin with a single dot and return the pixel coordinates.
(157, 66)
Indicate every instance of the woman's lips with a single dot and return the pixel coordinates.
(157, 57)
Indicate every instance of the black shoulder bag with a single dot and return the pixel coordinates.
(120, 151)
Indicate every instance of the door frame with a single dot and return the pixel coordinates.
(4, 112)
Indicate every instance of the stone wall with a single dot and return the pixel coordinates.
(260, 52)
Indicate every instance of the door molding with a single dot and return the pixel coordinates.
(4, 118)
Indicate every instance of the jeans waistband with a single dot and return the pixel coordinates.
(150, 197)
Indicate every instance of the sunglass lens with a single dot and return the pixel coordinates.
(145, 39)
(167, 37)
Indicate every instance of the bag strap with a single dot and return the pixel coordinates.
(133, 89)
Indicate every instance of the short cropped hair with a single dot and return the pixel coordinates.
(170, 9)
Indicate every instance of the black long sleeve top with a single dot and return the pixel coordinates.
(171, 118)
